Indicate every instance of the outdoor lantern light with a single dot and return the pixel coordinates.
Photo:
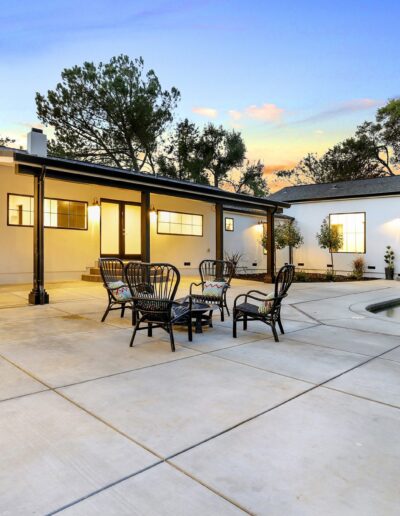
(153, 214)
(94, 210)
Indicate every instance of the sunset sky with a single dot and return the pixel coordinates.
(292, 76)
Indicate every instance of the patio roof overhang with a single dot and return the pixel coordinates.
(81, 172)
(40, 167)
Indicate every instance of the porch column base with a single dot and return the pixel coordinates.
(269, 278)
(38, 297)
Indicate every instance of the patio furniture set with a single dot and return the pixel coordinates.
(149, 290)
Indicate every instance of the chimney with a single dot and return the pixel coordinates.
(37, 142)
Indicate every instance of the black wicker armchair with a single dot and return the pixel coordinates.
(269, 311)
(153, 287)
(113, 276)
(216, 276)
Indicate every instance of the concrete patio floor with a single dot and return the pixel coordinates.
(306, 426)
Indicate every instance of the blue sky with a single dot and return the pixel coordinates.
(293, 76)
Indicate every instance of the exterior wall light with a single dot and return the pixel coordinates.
(94, 211)
(153, 214)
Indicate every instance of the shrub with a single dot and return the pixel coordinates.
(358, 267)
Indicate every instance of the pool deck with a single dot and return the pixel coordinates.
(306, 426)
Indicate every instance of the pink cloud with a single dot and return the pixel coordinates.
(266, 112)
(206, 111)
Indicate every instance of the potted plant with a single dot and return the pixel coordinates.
(389, 260)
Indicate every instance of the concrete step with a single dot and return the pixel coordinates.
(96, 278)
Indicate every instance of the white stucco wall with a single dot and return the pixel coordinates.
(68, 253)
(382, 229)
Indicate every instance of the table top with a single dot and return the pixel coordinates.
(196, 306)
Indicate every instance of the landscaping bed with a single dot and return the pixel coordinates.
(306, 277)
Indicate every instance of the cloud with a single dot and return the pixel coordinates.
(206, 111)
(235, 115)
(343, 108)
(266, 112)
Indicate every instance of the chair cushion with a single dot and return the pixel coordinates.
(213, 288)
(120, 290)
(266, 305)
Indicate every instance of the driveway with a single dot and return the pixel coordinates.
(306, 426)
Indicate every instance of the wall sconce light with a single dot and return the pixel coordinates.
(153, 214)
(94, 211)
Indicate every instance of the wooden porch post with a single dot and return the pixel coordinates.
(219, 231)
(38, 294)
(270, 278)
(145, 226)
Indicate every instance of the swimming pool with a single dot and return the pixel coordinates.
(388, 308)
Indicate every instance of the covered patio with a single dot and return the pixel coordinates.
(140, 217)
(305, 426)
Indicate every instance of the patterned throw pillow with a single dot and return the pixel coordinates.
(213, 288)
(120, 290)
(266, 306)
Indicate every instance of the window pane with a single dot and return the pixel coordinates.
(352, 228)
(20, 210)
(179, 223)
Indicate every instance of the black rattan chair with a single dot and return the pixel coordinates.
(153, 287)
(112, 273)
(271, 314)
(214, 271)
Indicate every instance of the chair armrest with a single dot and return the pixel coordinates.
(195, 285)
(251, 296)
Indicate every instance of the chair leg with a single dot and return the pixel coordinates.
(280, 325)
(134, 333)
(190, 329)
(133, 316)
(274, 331)
(106, 313)
(150, 330)
(123, 311)
(221, 309)
(171, 337)
(226, 306)
(234, 326)
(245, 322)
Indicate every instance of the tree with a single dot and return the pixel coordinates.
(250, 180)
(5, 141)
(113, 113)
(329, 238)
(286, 234)
(180, 156)
(373, 151)
(220, 151)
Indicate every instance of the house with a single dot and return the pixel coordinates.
(366, 212)
(59, 215)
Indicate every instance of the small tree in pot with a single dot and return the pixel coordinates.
(329, 238)
(389, 260)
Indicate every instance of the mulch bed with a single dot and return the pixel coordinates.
(305, 277)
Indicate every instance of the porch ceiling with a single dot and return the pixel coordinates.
(78, 171)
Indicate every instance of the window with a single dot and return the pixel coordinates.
(352, 228)
(58, 213)
(20, 210)
(174, 223)
(229, 224)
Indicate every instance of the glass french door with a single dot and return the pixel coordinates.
(120, 229)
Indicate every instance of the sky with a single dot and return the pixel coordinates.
(293, 76)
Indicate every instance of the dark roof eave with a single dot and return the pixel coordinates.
(84, 170)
